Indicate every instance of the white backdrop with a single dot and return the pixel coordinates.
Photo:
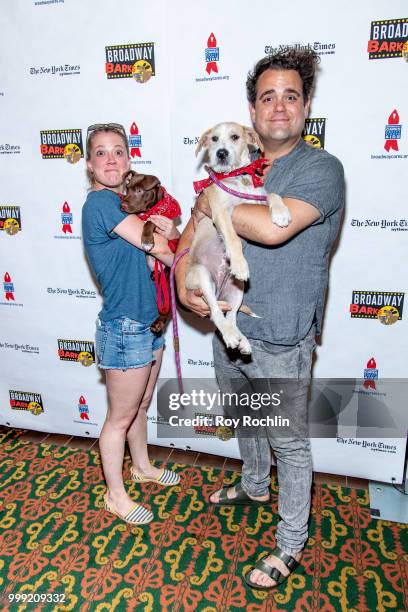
(53, 79)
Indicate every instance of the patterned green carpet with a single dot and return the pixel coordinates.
(57, 541)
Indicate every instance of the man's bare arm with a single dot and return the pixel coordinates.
(254, 222)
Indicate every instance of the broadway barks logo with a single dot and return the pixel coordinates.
(314, 132)
(388, 38)
(80, 351)
(386, 306)
(134, 61)
(62, 144)
(370, 374)
(26, 400)
(10, 219)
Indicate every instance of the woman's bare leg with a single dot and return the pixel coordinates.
(137, 433)
(125, 392)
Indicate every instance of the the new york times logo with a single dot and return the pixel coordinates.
(26, 400)
(314, 132)
(10, 219)
(388, 38)
(130, 61)
(62, 144)
(81, 351)
(321, 48)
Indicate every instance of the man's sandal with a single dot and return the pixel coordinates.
(241, 498)
(272, 572)
(138, 515)
(167, 478)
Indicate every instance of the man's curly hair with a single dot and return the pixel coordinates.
(303, 61)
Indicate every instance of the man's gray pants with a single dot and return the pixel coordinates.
(291, 446)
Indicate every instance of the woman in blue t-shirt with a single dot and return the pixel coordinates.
(127, 350)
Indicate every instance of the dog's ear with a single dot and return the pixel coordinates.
(252, 137)
(203, 142)
(150, 181)
(127, 177)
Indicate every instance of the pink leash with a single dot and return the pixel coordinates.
(176, 340)
(237, 194)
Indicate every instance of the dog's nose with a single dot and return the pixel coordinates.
(222, 154)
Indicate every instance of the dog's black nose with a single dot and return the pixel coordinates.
(222, 154)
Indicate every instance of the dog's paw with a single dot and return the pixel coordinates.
(244, 347)
(281, 216)
(239, 268)
(231, 336)
(147, 246)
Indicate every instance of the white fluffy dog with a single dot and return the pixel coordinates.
(217, 265)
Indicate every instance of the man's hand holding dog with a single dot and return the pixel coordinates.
(194, 301)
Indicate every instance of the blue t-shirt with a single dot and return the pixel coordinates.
(120, 267)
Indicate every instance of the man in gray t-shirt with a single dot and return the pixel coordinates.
(288, 280)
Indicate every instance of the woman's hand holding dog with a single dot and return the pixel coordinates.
(165, 227)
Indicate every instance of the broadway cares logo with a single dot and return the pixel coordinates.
(8, 288)
(370, 374)
(212, 57)
(67, 220)
(83, 410)
(10, 219)
(135, 145)
(392, 135)
(393, 225)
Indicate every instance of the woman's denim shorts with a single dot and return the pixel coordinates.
(122, 344)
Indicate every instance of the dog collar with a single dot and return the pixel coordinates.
(255, 170)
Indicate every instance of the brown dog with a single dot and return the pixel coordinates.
(143, 192)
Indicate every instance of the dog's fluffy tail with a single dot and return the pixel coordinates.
(246, 310)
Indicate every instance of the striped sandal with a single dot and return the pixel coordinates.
(167, 478)
(138, 515)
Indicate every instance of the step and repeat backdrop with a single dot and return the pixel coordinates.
(169, 70)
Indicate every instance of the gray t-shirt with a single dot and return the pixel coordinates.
(288, 282)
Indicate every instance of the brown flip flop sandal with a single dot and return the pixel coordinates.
(241, 498)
